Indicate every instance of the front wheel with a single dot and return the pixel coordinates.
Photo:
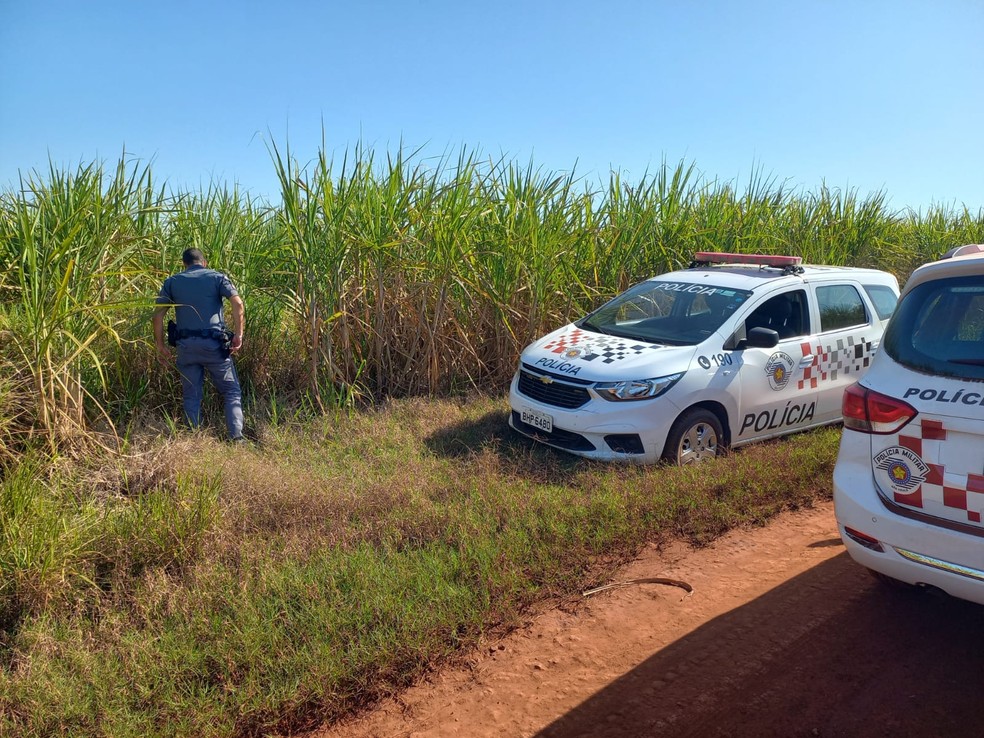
(695, 437)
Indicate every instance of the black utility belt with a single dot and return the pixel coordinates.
(175, 334)
(217, 333)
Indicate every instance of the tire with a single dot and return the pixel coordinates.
(696, 436)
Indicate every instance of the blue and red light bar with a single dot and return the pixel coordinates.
(766, 260)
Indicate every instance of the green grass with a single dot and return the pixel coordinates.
(209, 591)
(158, 583)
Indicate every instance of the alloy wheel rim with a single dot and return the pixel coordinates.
(698, 444)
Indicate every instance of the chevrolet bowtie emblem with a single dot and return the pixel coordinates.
(546, 380)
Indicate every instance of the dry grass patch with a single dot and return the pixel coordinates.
(237, 591)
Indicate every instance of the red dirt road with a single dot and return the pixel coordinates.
(783, 636)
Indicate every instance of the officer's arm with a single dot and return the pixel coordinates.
(239, 320)
(159, 314)
(163, 355)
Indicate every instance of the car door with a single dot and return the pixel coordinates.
(847, 337)
(776, 395)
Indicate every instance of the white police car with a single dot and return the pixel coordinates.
(909, 478)
(737, 348)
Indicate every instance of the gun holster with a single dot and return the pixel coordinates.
(224, 337)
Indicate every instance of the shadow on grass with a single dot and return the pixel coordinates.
(519, 455)
(491, 431)
(491, 434)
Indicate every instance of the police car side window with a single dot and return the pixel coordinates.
(883, 298)
(840, 307)
(786, 314)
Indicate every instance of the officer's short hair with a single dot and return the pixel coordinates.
(192, 256)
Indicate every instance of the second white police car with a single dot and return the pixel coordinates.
(737, 348)
(909, 478)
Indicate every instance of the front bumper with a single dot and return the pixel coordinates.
(633, 431)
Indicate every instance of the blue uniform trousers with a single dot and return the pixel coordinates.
(195, 356)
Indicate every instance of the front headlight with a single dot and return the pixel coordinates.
(637, 389)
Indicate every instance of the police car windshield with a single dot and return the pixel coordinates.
(658, 311)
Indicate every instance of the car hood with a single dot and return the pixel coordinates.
(578, 353)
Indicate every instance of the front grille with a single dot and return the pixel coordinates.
(558, 437)
(552, 392)
(562, 377)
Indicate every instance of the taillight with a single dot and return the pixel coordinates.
(872, 412)
(864, 539)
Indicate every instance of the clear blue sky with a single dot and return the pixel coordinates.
(867, 94)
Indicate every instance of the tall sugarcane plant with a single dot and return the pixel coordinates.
(75, 247)
(374, 275)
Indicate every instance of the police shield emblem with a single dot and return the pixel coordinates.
(779, 369)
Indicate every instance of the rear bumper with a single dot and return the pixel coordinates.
(913, 551)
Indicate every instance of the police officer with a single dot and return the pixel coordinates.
(196, 294)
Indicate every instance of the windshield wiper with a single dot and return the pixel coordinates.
(595, 329)
(971, 362)
(631, 336)
(642, 339)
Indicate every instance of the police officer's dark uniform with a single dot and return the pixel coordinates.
(201, 340)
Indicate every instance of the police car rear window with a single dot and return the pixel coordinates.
(938, 328)
(674, 313)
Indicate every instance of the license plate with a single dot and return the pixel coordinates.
(540, 421)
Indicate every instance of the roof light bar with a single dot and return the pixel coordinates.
(766, 260)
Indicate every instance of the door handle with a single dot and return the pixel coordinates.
(806, 360)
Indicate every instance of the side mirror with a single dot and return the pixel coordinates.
(762, 338)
